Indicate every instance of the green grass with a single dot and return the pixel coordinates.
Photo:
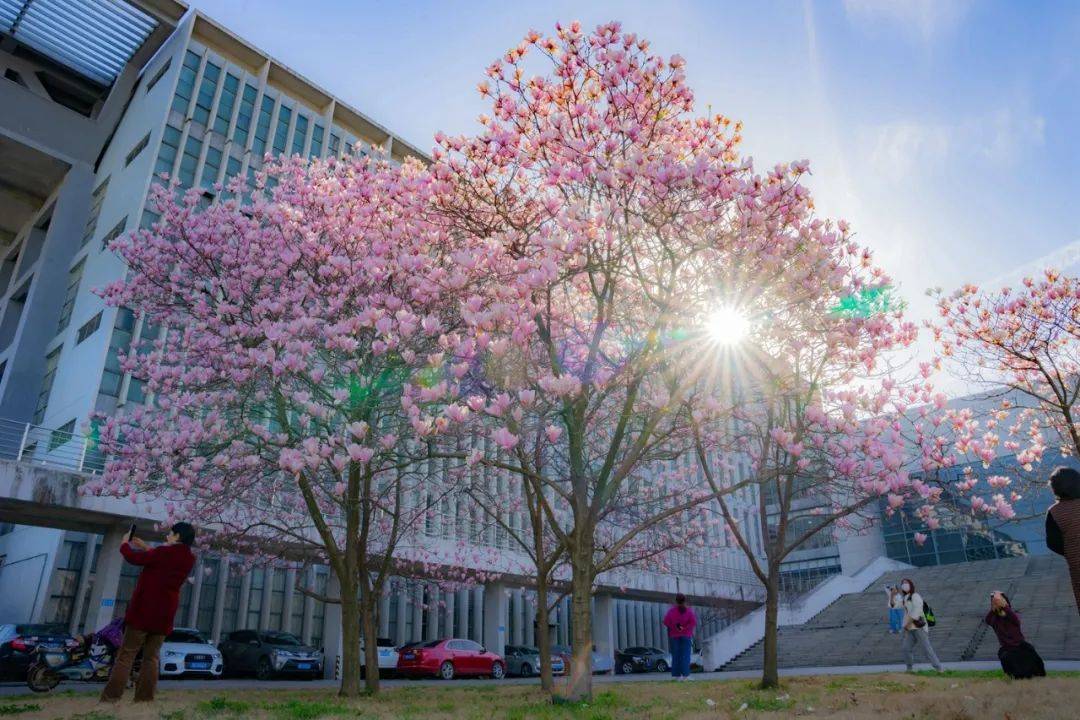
(601, 707)
(311, 710)
(92, 715)
(174, 715)
(989, 674)
(222, 706)
(18, 708)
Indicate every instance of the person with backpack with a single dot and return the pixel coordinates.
(1018, 657)
(917, 621)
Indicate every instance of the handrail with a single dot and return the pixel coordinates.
(50, 447)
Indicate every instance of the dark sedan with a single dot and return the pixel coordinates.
(641, 659)
(270, 654)
(17, 643)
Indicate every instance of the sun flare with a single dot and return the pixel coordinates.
(727, 326)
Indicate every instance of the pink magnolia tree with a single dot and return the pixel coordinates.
(616, 213)
(312, 350)
(1024, 340)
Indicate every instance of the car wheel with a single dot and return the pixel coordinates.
(446, 670)
(498, 670)
(263, 670)
(526, 670)
(627, 668)
(661, 666)
(42, 678)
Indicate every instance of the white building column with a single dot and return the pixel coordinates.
(384, 614)
(219, 601)
(402, 614)
(530, 621)
(604, 626)
(517, 607)
(461, 610)
(496, 606)
(417, 633)
(478, 606)
(196, 579)
(106, 579)
(332, 644)
(307, 631)
(287, 602)
(84, 584)
(450, 601)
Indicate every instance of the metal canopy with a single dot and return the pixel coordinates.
(95, 38)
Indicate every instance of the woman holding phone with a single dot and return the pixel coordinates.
(1018, 658)
(680, 622)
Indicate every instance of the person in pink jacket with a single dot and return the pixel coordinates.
(680, 622)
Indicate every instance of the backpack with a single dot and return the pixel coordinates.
(928, 613)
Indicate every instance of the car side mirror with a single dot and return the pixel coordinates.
(483, 649)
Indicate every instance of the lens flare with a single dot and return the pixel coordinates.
(727, 326)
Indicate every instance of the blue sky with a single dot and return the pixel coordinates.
(946, 131)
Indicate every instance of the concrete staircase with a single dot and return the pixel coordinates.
(853, 630)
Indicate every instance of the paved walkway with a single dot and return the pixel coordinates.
(251, 684)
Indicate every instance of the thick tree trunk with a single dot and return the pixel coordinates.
(581, 619)
(543, 638)
(770, 677)
(370, 627)
(350, 637)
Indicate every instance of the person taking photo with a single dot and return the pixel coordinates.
(150, 612)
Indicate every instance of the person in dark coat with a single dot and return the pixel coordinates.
(1018, 657)
(150, 612)
(1063, 522)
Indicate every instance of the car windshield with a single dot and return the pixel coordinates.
(40, 629)
(185, 636)
(384, 642)
(280, 639)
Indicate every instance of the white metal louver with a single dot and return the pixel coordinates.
(95, 38)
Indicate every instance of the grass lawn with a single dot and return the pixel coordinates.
(951, 696)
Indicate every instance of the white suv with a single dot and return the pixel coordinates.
(186, 652)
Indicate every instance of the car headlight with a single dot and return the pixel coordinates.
(173, 655)
(638, 659)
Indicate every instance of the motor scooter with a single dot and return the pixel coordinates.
(83, 662)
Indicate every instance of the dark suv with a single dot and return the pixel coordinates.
(269, 654)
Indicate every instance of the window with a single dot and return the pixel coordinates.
(316, 141)
(139, 147)
(296, 624)
(149, 217)
(204, 620)
(158, 75)
(52, 360)
(96, 199)
(118, 343)
(255, 598)
(211, 167)
(348, 149)
(262, 126)
(88, 328)
(189, 161)
(299, 135)
(74, 278)
(282, 131)
(69, 565)
(170, 144)
(205, 98)
(232, 169)
(335, 145)
(185, 86)
(62, 435)
(232, 601)
(225, 104)
(318, 615)
(244, 115)
(116, 232)
(277, 598)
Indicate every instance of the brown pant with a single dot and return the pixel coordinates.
(134, 640)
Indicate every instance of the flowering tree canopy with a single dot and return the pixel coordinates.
(312, 344)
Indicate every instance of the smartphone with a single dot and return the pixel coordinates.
(131, 532)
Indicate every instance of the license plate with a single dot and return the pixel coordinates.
(303, 666)
(199, 666)
(408, 656)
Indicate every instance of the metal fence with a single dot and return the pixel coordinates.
(49, 447)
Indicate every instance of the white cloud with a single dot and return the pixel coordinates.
(1066, 259)
(999, 137)
(924, 20)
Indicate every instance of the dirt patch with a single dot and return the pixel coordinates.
(862, 697)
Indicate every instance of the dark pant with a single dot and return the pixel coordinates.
(1021, 662)
(135, 640)
(680, 656)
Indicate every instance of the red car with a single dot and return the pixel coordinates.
(449, 658)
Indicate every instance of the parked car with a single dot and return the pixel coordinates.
(17, 644)
(641, 659)
(600, 663)
(388, 657)
(449, 658)
(524, 661)
(270, 654)
(187, 652)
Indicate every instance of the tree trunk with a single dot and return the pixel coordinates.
(543, 638)
(350, 637)
(370, 627)
(770, 676)
(581, 619)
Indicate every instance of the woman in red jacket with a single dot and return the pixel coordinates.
(150, 612)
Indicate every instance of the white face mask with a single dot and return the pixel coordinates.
(906, 588)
